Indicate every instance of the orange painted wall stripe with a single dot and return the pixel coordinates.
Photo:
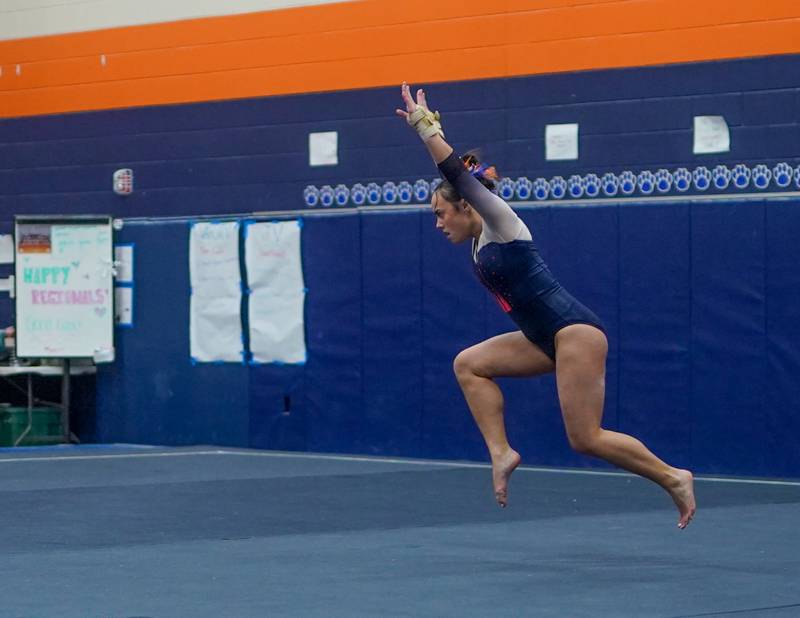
(280, 23)
(335, 51)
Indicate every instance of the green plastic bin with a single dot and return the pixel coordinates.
(45, 428)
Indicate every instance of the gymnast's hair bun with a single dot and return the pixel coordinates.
(486, 174)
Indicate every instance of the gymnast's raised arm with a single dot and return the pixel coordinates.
(496, 213)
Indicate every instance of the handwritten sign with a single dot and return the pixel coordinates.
(215, 327)
(64, 287)
(277, 292)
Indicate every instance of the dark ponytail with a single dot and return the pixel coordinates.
(486, 175)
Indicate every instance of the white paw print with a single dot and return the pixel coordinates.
(721, 176)
(610, 184)
(702, 178)
(435, 183)
(682, 179)
(663, 181)
(646, 181)
(326, 196)
(505, 188)
(389, 192)
(523, 188)
(627, 182)
(404, 192)
(311, 196)
(797, 177)
(761, 176)
(373, 193)
(341, 195)
(592, 182)
(358, 193)
(782, 175)
(576, 186)
(541, 189)
(558, 187)
(422, 191)
(741, 176)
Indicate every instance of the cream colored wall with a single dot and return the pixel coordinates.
(29, 18)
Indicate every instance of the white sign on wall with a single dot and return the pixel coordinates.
(277, 292)
(561, 142)
(711, 134)
(215, 326)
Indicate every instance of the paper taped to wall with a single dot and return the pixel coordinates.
(711, 134)
(215, 318)
(277, 292)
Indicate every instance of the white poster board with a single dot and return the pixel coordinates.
(64, 287)
(215, 324)
(277, 292)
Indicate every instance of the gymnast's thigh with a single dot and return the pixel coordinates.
(510, 355)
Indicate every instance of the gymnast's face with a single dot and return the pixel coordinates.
(455, 221)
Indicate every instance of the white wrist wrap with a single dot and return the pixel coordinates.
(425, 122)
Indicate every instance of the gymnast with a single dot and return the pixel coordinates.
(557, 333)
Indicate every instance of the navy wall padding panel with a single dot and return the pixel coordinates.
(782, 388)
(334, 333)
(277, 406)
(453, 318)
(729, 337)
(655, 336)
(391, 263)
(152, 393)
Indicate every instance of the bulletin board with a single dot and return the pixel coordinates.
(64, 287)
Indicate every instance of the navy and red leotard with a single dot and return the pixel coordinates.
(509, 265)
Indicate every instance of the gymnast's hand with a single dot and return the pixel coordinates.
(418, 115)
(411, 106)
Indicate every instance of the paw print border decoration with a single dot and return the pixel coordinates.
(721, 178)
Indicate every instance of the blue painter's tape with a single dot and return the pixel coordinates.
(300, 223)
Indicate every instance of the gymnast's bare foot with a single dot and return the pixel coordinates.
(502, 467)
(682, 492)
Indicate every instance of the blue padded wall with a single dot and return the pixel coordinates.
(728, 336)
(782, 391)
(151, 393)
(453, 309)
(655, 336)
(698, 299)
(392, 357)
(334, 334)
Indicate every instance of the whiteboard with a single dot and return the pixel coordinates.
(64, 287)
